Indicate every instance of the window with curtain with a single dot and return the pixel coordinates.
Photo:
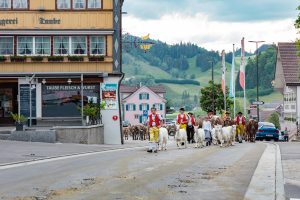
(20, 4)
(79, 4)
(61, 45)
(42, 46)
(97, 46)
(78, 45)
(5, 4)
(94, 3)
(6, 45)
(25, 46)
(63, 4)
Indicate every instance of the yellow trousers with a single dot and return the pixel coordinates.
(154, 133)
(182, 126)
(240, 129)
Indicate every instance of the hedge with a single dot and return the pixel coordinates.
(175, 81)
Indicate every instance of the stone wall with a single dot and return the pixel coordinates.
(81, 135)
(33, 136)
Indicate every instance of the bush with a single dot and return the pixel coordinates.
(274, 118)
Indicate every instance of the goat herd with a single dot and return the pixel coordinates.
(221, 135)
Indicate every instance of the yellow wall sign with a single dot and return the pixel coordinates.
(4, 22)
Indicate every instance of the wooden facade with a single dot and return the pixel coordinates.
(29, 23)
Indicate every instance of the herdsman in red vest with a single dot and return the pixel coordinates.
(240, 125)
(182, 119)
(154, 123)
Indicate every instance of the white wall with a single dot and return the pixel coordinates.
(112, 130)
(298, 102)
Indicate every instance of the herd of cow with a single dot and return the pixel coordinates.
(223, 136)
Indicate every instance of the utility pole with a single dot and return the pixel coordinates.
(213, 87)
(257, 75)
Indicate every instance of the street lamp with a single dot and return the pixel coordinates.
(257, 77)
(213, 89)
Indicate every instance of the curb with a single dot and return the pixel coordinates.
(280, 194)
(267, 180)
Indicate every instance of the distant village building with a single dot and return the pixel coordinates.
(287, 79)
(137, 102)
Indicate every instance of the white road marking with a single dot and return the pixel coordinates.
(294, 199)
(45, 160)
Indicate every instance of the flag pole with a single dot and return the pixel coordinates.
(233, 82)
(224, 77)
(244, 71)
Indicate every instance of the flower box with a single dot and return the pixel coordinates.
(56, 59)
(18, 58)
(76, 58)
(3, 59)
(37, 59)
(96, 58)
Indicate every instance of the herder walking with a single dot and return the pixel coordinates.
(240, 126)
(190, 128)
(154, 123)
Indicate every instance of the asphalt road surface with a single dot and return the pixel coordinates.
(208, 173)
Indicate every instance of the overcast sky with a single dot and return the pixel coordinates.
(213, 24)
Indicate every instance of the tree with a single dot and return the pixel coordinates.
(274, 118)
(297, 25)
(206, 100)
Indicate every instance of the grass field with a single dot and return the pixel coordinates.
(140, 68)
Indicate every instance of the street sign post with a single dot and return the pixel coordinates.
(258, 103)
(253, 106)
(145, 113)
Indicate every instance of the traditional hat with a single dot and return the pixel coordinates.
(181, 109)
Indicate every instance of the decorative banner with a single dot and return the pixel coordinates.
(109, 95)
(232, 83)
(223, 72)
(242, 67)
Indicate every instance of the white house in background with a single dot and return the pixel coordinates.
(287, 79)
(137, 102)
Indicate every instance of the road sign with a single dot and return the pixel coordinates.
(253, 106)
(258, 103)
(145, 113)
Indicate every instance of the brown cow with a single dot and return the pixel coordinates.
(251, 129)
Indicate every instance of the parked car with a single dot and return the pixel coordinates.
(125, 123)
(267, 131)
(169, 122)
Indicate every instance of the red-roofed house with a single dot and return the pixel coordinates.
(287, 78)
(137, 101)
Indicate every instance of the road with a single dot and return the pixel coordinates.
(291, 168)
(209, 173)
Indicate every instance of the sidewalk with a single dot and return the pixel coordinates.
(15, 151)
(290, 155)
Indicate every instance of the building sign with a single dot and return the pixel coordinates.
(4, 22)
(69, 87)
(49, 21)
(109, 95)
(25, 100)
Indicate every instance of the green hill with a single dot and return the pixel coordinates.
(182, 68)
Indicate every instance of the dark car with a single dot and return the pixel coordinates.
(267, 131)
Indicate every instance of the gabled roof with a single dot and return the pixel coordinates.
(132, 89)
(141, 89)
(289, 58)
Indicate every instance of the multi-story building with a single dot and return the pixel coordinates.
(56, 54)
(137, 102)
(287, 79)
